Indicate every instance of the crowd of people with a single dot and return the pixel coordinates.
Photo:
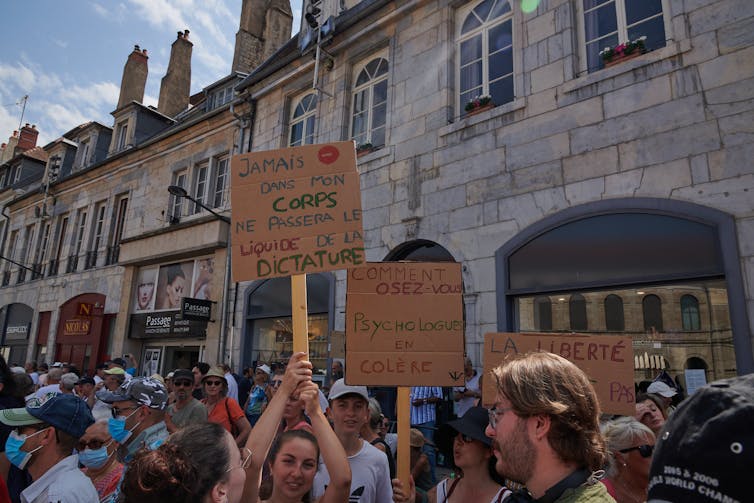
(205, 435)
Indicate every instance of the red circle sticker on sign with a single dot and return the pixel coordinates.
(328, 154)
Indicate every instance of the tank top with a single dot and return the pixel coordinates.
(444, 492)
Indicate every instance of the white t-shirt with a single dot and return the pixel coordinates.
(466, 403)
(50, 388)
(370, 477)
(232, 386)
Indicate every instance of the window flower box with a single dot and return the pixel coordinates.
(479, 104)
(622, 52)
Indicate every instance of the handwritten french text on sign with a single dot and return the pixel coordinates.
(295, 211)
(607, 360)
(404, 324)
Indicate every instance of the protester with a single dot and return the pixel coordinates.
(31, 369)
(231, 380)
(424, 400)
(113, 379)
(96, 450)
(295, 456)
(293, 415)
(630, 445)
(370, 433)
(186, 410)
(545, 428)
(44, 436)
(337, 369)
(665, 393)
(244, 385)
(53, 382)
(649, 411)
(138, 410)
(68, 382)
(120, 363)
(199, 370)
(474, 463)
(466, 396)
(43, 369)
(706, 449)
(10, 398)
(99, 373)
(258, 396)
(198, 464)
(421, 471)
(85, 389)
(223, 410)
(370, 473)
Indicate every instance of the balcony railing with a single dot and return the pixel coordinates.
(113, 252)
(52, 267)
(72, 264)
(91, 260)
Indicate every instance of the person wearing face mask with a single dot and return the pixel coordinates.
(45, 433)
(96, 452)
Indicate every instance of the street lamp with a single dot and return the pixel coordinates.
(179, 191)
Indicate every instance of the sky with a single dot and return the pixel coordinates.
(68, 55)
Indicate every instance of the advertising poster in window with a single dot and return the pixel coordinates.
(146, 285)
(174, 282)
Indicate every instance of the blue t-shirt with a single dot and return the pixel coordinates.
(257, 399)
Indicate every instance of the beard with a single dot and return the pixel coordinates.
(516, 456)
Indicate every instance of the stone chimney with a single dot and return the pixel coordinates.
(134, 77)
(9, 150)
(175, 88)
(28, 137)
(265, 27)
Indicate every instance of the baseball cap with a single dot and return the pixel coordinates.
(661, 388)
(56, 365)
(142, 390)
(119, 361)
(265, 368)
(65, 412)
(340, 388)
(115, 371)
(85, 380)
(702, 451)
(472, 424)
(183, 374)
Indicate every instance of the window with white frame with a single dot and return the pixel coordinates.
(122, 135)
(11, 253)
(485, 52)
(98, 231)
(44, 242)
(116, 229)
(220, 97)
(221, 182)
(83, 153)
(57, 251)
(78, 243)
(303, 120)
(610, 22)
(369, 111)
(180, 179)
(201, 185)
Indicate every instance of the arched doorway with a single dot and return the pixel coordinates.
(82, 331)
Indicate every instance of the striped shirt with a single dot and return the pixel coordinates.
(421, 414)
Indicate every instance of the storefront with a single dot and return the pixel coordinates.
(172, 305)
(82, 332)
(664, 272)
(15, 320)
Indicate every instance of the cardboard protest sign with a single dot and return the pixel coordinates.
(404, 324)
(295, 211)
(607, 359)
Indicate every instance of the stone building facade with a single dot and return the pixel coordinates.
(584, 181)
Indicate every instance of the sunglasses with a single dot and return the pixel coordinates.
(276, 382)
(213, 383)
(645, 450)
(178, 384)
(92, 444)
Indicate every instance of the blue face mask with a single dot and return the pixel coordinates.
(117, 427)
(94, 458)
(13, 450)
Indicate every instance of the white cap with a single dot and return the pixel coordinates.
(661, 388)
(340, 388)
(265, 368)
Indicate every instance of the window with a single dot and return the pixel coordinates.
(370, 104)
(303, 121)
(28, 240)
(201, 185)
(652, 309)
(11, 254)
(97, 234)
(608, 22)
(690, 313)
(614, 317)
(62, 228)
(542, 313)
(176, 203)
(221, 183)
(116, 230)
(122, 138)
(83, 153)
(78, 243)
(485, 48)
(220, 97)
(39, 257)
(17, 175)
(577, 312)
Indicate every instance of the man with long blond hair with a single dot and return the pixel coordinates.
(545, 426)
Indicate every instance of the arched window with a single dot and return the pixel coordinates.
(542, 313)
(370, 104)
(577, 311)
(303, 120)
(614, 318)
(485, 49)
(652, 309)
(690, 313)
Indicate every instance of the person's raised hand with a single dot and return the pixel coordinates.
(299, 370)
(309, 394)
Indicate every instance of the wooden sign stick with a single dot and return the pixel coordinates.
(404, 434)
(299, 314)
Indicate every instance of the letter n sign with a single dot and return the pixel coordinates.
(85, 309)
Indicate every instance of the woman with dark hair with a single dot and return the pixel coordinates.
(476, 478)
(199, 463)
(650, 412)
(174, 287)
(293, 461)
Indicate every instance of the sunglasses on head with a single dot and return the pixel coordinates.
(645, 450)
